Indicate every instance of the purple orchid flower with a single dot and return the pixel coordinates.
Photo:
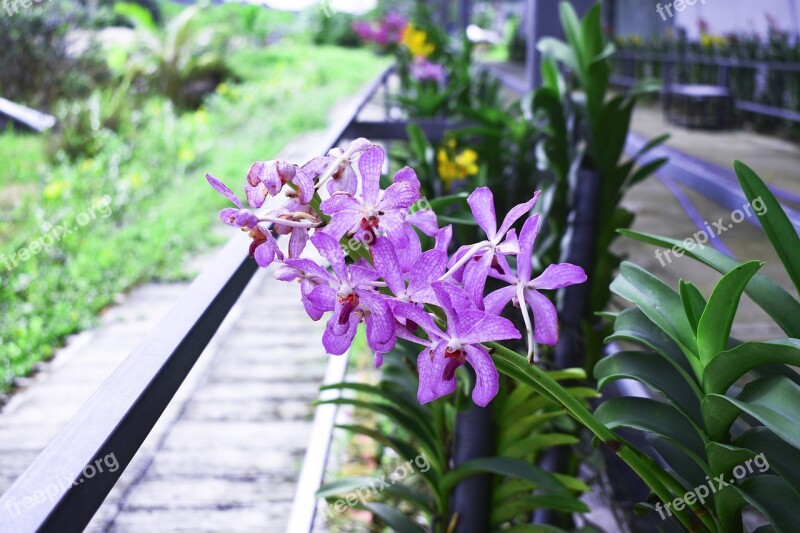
(314, 280)
(336, 168)
(264, 249)
(269, 177)
(523, 289)
(445, 352)
(428, 267)
(423, 70)
(501, 241)
(355, 300)
(299, 218)
(374, 212)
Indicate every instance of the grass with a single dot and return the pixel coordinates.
(161, 208)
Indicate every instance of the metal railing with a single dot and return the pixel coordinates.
(672, 65)
(122, 412)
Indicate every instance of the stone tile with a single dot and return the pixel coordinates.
(283, 435)
(207, 493)
(221, 391)
(224, 463)
(271, 518)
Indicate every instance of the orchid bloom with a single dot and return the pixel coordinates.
(336, 168)
(311, 277)
(354, 299)
(264, 249)
(389, 288)
(524, 291)
(501, 241)
(295, 219)
(427, 268)
(269, 177)
(375, 210)
(467, 329)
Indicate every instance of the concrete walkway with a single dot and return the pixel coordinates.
(226, 454)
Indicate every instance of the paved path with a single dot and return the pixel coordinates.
(226, 454)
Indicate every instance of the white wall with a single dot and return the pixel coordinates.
(748, 16)
(723, 16)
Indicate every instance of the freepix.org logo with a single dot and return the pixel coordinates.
(12, 6)
(679, 5)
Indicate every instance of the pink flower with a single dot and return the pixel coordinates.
(423, 70)
(525, 292)
(445, 351)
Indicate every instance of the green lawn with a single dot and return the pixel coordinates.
(160, 205)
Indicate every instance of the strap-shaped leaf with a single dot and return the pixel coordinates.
(341, 487)
(693, 302)
(731, 365)
(658, 302)
(525, 427)
(503, 466)
(559, 502)
(524, 448)
(688, 471)
(655, 417)
(781, 306)
(772, 496)
(656, 372)
(772, 400)
(715, 324)
(403, 449)
(632, 325)
(776, 224)
(393, 518)
(781, 457)
(417, 428)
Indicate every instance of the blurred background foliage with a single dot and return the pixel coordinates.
(147, 96)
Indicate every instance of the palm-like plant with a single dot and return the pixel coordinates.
(183, 61)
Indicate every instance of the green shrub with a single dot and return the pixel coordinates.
(36, 65)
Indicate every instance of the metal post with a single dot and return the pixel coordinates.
(464, 13)
(471, 499)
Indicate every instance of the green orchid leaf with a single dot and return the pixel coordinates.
(508, 510)
(658, 302)
(771, 400)
(418, 428)
(687, 470)
(693, 302)
(632, 325)
(730, 366)
(655, 371)
(776, 455)
(393, 518)
(652, 416)
(357, 485)
(779, 229)
(772, 496)
(714, 328)
(503, 466)
(401, 446)
(781, 306)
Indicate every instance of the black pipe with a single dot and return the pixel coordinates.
(471, 498)
(581, 236)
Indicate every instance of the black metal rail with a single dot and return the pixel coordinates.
(52, 494)
(671, 62)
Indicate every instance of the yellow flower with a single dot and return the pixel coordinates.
(54, 190)
(468, 161)
(185, 154)
(417, 42)
(462, 166)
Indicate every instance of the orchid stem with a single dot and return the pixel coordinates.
(463, 261)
